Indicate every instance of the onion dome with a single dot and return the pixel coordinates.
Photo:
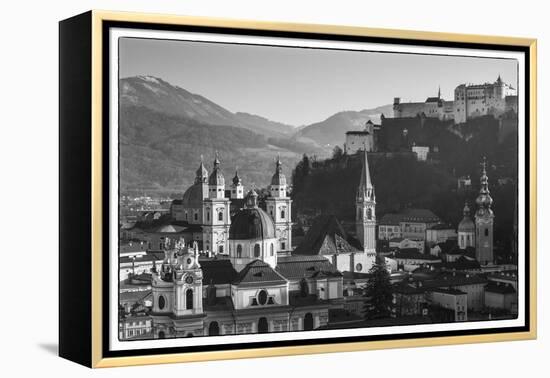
(216, 178)
(237, 180)
(201, 175)
(484, 200)
(279, 177)
(251, 222)
(466, 224)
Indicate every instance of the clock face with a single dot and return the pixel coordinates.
(189, 280)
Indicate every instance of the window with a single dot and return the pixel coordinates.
(271, 249)
(162, 302)
(189, 299)
(220, 249)
(196, 216)
(207, 215)
(239, 250)
(257, 250)
(486, 232)
(262, 297)
(220, 216)
(282, 214)
(283, 246)
(358, 267)
(369, 213)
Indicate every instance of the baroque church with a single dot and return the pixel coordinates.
(208, 208)
(252, 282)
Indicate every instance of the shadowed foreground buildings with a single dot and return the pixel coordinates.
(250, 282)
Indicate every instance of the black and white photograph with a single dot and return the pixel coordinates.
(307, 191)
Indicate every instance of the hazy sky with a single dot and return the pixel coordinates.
(301, 86)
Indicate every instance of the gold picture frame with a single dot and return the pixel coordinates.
(91, 27)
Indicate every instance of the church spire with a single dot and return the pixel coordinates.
(201, 175)
(366, 189)
(484, 200)
(439, 92)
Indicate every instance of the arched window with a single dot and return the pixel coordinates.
(308, 322)
(263, 325)
(213, 329)
(271, 249)
(486, 232)
(196, 216)
(282, 213)
(207, 214)
(369, 213)
(189, 299)
(239, 251)
(220, 216)
(161, 335)
(220, 249)
(256, 250)
(162, 302)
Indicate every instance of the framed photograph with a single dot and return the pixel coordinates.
(233, 189)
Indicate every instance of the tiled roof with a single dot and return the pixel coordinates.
(326, 236)
(390, 219)
(134, 296)
(300, 266)
(412, 253)
(441, 226)
(419, 215)
(448, 291)
(454, 279)
(494, 287)
(258, 271)
(148, 257)
(217, 271)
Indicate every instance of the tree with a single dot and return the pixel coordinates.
(337, 153)
(378, 293)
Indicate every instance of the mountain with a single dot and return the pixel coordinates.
(161, 152)
(159, 95)
(332, 131)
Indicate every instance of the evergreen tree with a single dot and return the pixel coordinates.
(378, 293)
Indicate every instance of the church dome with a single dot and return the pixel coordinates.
(466, 225)
(193, 197)
(251, 222)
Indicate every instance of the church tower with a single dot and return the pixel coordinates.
(279, 208)
(201, 178)
(216, 213)
(177, 292)
(237, 189)
(365, 204)
(484, 220)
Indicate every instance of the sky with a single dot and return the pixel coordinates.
(301, 86)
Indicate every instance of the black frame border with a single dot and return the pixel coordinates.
(106, 25)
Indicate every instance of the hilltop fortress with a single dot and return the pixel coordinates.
(470, 101)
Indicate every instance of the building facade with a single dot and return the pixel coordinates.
(357, 141)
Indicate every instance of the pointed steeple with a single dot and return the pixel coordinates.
(366, 189)
(439, 92)
(237, 180)
(201, 175)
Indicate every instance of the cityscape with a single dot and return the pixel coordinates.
(406, 216)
